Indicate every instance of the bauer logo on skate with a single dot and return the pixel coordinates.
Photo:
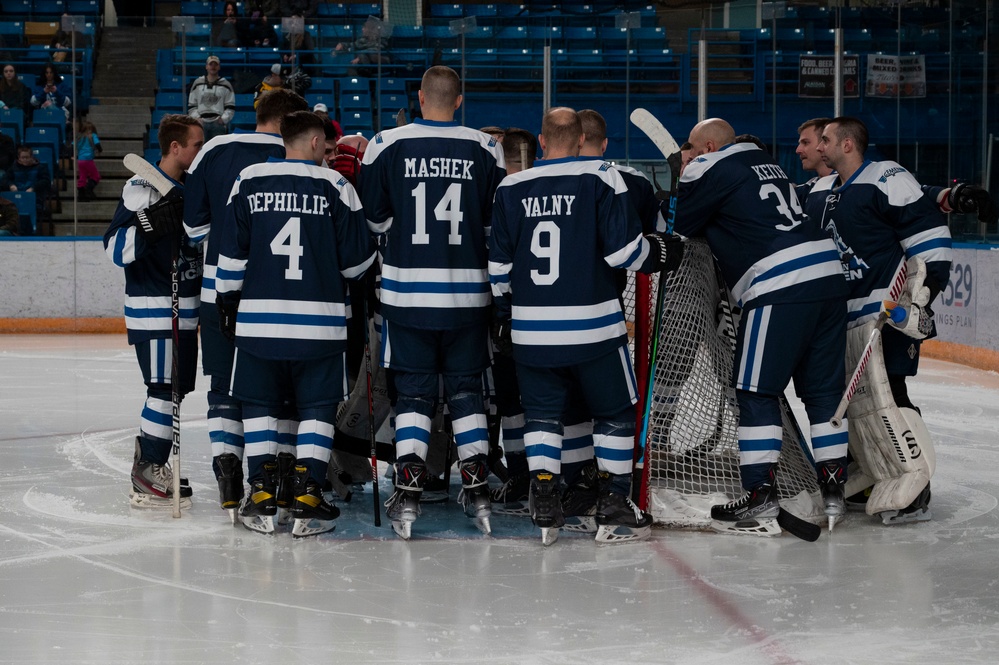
(439, 167)
(314, 204)
(546, 206)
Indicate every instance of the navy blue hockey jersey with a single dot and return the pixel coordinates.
(878, 219)
(297, 231)
(428, 187)
(208, 184)
(768, 250)
(560, 230)
(148, 306)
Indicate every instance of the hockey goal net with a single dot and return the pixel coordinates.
(691, 447)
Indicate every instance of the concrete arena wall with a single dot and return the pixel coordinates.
(69, 285)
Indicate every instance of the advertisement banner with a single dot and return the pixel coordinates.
(893, 76)
(816, 76)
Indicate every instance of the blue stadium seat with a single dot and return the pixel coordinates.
(171, 101)
(362, 10)
(581, 37)
(649, 38)
(244, 101)
(51, 117)
(43, 136)
(198, 8)
(393, 101)
(152, 155)
(437, 33)
(172, 83)
(540, 35)
(407, 36)
(11, 32)
(613, 38)
(157, 116)
(350, 101)
(13, 118)
(322, 84)
(26, 208)
(482, 11)
(16, 8)
(88, 8)
(45, 156)
(244, 120)
(200, 34)
(12, 132)
(352, 121)
(354, 84)
(48, 8)
(504, 10)
(480, 37)
(512, 36)
(446, 11)
(392, 84)
(327, 98)
(336, 10)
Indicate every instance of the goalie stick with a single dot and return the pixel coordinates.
(162, 184)
(663, 140)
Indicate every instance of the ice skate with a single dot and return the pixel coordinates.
(832, 481)
(579, 501)
(310, 510)
(618, 519)
(286, 487)
(230, 476)
(260, 505)
(511, 497)
(755, 513)
(917, 511)
(152, 486)
(403, 507)
(474, 496)
(546, 505)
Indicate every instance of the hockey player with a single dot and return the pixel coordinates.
(141, 238)
(882, 222)
(294, 230)
(427, 190)
(784, 272)
(211, 178)
(560, 230)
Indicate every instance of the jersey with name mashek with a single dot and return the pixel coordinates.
(560, 230)
(427, 190)
(768, 250)
(208, 184)
(148, 303)
(879, 218)
(298, 230)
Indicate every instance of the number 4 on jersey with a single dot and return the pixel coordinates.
(448, 209)
(288, 242)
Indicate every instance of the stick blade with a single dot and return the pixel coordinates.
(655, 130)
(798, 527)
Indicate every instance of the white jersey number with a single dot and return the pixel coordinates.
(448, 209)
(548, 250)
(793, 212)
(288, 242)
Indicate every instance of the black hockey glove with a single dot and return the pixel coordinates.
(227, 316)
(970, 199)
(502, 336)
(675, 162)
(666, 252)
(163, 218)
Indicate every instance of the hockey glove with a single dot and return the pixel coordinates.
(163, 218)
(227, 316)
(502, 336)
(348, 162)
(666, 252)
(970, 199)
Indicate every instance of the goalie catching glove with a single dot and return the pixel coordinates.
(665, 252)
(163, 218)
(227, 316)
(969, 199)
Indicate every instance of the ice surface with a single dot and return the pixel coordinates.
(86, 579)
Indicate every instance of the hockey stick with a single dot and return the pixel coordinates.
(668, 146)
(371, 417)
(150, 174)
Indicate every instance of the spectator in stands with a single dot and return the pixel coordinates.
(263, 8)
(272, 81)
(61, 45)
(29, 175)
(303, 8)
(13, 93)
(257, 29)
(8, 155)
(88, 146)
(370, 49)
(227, 32)
(51, 91)
(212, 100)
(304, 57)
(9, 218)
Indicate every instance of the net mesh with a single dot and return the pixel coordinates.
(692, 449)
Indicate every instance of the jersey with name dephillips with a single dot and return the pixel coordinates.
(768, 250)
(208, 184)
(560, 230)
(298, 231)
(148, 302)
(879, 218)
(427, 190)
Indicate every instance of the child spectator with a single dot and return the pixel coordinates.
(28, 175)
(88, 146)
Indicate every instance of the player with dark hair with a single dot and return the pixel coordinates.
(208, 186)
(560, 230)
(294, 230)
(141, 238)
(427, 190)
(784, 272)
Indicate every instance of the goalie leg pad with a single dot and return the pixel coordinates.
(882, 440)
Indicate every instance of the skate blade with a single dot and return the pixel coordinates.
(260, 523)
(549, 535)
(232, 515)
(580, 523)
(284, 517)
(609, 533)
(482, 524)
(153, 502)
(755, 527)
(890, 517)
(518, 508)
(310, 526)
(402, 529)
